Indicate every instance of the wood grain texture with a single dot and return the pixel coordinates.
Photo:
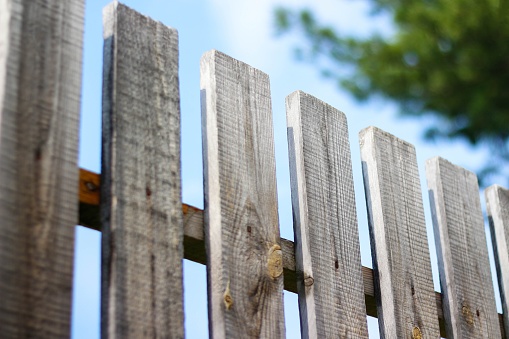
(194, 250)
(497, 203)
(401, 261)
(241, 220)
(141, 207)
(329, 278)
(40, 85)
(465, 277)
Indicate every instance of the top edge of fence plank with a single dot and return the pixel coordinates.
(331, 293)
(241, 219)
(465, 277)
(497, 205)
(142, 209)
(40, 84)
(401, 258)
(113, 5)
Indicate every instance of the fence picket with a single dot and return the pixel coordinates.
(141, 209)
(497, 203)
(331, 293)
(401, 261)
(468, 298)
(40, 84)
(241, 220)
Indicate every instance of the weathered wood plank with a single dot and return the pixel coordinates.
(141, 189)
(329, 278)
(497, 203)
(241, 220)
(401, 261)
(465, 277)
(40, 83)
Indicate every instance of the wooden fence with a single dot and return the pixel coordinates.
(147, 231)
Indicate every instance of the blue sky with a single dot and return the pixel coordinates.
(244, 30)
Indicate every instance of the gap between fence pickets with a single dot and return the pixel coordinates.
(194, 246)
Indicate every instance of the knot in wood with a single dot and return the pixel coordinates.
(275, 262)
(467, 314)
(309, 281)
(227, 297)
(416, 333)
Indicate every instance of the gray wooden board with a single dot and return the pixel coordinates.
(40, 84)
(497, 203)
(401, 261)
(244, 267)
(329, 278)
(465, 277)
(141, 208)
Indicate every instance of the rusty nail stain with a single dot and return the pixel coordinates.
(228, 300)
(249, 229)
(275, 261)
(416, 333)
(309, 281)
(148, 191)
(38, 154)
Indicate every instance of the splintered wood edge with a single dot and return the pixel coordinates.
(194, 245)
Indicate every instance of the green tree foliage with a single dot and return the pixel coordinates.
(447, 58)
